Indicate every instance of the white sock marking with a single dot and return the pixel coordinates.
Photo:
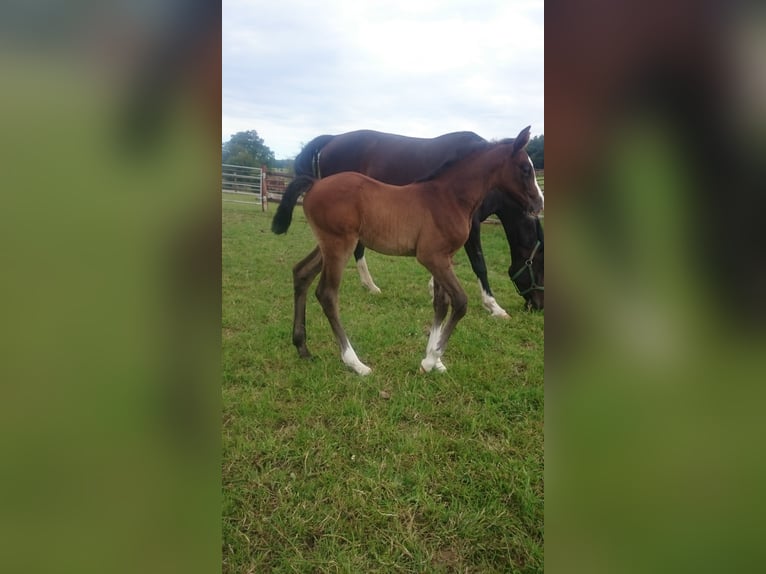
(489, 303)
(365, 277)
(433, 355)
(349, 358)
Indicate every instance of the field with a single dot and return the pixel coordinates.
(399, 471)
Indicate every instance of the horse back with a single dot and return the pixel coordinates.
(305, 161)
(392, 158)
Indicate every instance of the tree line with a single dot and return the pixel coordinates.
(248, 148)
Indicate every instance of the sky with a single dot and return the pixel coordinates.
(296, 69)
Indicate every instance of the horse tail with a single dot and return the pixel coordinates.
(284, 215)
(306, 161)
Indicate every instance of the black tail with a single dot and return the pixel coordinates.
(304, 163)
(284, 215)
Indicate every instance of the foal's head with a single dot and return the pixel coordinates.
(517, 177)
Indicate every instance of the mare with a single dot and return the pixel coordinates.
(429, 220)
(400, 160)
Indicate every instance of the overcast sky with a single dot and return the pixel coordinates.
(296, 69)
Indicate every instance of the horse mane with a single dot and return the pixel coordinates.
(462, 153)
(459, 154)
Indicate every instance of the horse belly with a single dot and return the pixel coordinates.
(390, 236)
(389, 248)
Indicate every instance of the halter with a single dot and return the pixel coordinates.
(528, 267)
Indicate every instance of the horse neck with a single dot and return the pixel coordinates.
(509, 219)
(474, 177)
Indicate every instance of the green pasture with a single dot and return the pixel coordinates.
(399, 471)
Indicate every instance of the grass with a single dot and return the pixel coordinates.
(327, 471)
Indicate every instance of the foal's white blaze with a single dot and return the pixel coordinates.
(364, 275)
(433, 354)
(489, 303)
(348, 355)
(537, 187)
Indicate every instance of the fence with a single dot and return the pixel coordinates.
(276, 183)
(243, 180)
(258, 183)
(269, 185)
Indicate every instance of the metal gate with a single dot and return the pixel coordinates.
(244, 180)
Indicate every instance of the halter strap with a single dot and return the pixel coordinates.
(528, 267)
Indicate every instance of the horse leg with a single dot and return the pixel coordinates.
(441, 305)
(446, 289)
(327, 293)
(476, 257)
(304, 273)
(459, 302)
(364, 272)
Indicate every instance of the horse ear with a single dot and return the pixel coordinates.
(521, 140)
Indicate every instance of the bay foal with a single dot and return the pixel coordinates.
(399, 160)
(429, 220)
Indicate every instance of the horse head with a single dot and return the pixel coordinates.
(527, 270)
(517, 177)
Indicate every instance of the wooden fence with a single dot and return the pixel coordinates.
(277, 181)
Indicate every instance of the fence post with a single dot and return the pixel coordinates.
(264, 190)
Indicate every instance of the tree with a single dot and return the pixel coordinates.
(535, 149)
(247, 148)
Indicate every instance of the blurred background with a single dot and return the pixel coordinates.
(110, 227)
(656, 116)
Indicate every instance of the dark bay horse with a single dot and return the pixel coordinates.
(429, 220)
(400, 160)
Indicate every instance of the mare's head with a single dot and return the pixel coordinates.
(517, 176)
(527, 270)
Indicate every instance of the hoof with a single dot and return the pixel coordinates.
(363, 370)
(489, 303)
(352, 362)
(428, 365)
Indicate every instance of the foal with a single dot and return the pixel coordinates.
(429, 220)
(399, 160)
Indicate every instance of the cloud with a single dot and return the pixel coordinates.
(292, 71)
